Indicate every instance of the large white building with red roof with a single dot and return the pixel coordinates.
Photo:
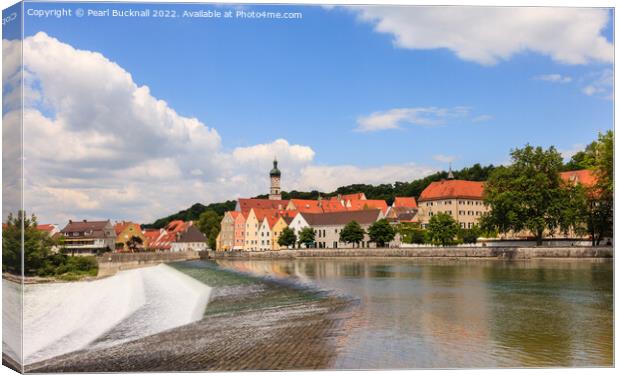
(461, 199)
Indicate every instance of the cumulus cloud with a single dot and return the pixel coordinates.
(395, 118)
(488, 35)
(100, 146)
(568, 153)
(555, 78)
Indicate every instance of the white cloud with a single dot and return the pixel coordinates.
(488, 35)
(395, 118)
(100, 146)
(599, 84)
(444, 158)
(555, 78)
(482, 118)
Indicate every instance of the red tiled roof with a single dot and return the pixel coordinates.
(452, 189)
(357, 205)
(49, 228)
(408, 202)
(354, 197)
(307, 205)
(246, 204)
(585, 177)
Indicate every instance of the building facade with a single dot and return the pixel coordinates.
(328, 226)
(88, 237)
(461, 199)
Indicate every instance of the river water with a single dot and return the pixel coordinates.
(463, 313)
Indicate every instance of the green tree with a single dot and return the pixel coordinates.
(381, 232)
(352, 233)
(287, 237)
(419, 236)
(307, 236)
(527, 194)
(469, 235)
(209, 224)
(442, 229)
(600, 202)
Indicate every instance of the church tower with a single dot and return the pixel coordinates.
(274, 174)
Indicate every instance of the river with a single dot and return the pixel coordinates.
(463, 313)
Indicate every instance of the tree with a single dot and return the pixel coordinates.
(381, 232)
(600, 197)
(527, 194)
(442, 229)
(307, 236)
(209, 224)
(469, 235)
(134, 243)
(288, 238)
(352, 233)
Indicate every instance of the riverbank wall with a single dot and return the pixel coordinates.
(506, 253)
(110, 264)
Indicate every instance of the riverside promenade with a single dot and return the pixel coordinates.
(506, 253)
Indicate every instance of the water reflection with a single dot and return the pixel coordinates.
(441, 313)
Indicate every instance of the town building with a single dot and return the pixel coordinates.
(125, 230)
(276, 230)
(227, 231)
(168, 235)
(327, 226)
(190, 239)
(461, 199)
(402, 210)
(239, 235)
(88, 237)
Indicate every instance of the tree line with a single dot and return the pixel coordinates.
(380, 233)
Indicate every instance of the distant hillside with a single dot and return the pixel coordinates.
(386, 192)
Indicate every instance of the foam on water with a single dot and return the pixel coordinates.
(63, 317)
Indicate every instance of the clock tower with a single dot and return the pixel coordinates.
(274, 175)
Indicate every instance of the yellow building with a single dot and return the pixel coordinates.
(251, 232)
(124, 231)
(276, 230)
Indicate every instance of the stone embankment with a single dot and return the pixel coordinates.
(110, 264)
(425, 252)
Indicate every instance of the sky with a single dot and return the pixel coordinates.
(139, 117)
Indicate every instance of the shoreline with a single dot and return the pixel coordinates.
(250, 323)
(490, 253)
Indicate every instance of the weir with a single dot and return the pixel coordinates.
(64, 317)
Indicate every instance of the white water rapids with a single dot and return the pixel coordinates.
(60, 318)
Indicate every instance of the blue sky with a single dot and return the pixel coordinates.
(314, 81)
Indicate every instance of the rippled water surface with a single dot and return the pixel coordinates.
(446, 314)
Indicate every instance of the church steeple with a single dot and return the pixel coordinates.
(274, 176)
(450, 174)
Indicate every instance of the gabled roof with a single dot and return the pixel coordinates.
(49, 228)
(192, 234)
(122, 225)
(85, 226)
(585, 177)
(246, 204)
(405, 202)
(447, 189)
(341, 218)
